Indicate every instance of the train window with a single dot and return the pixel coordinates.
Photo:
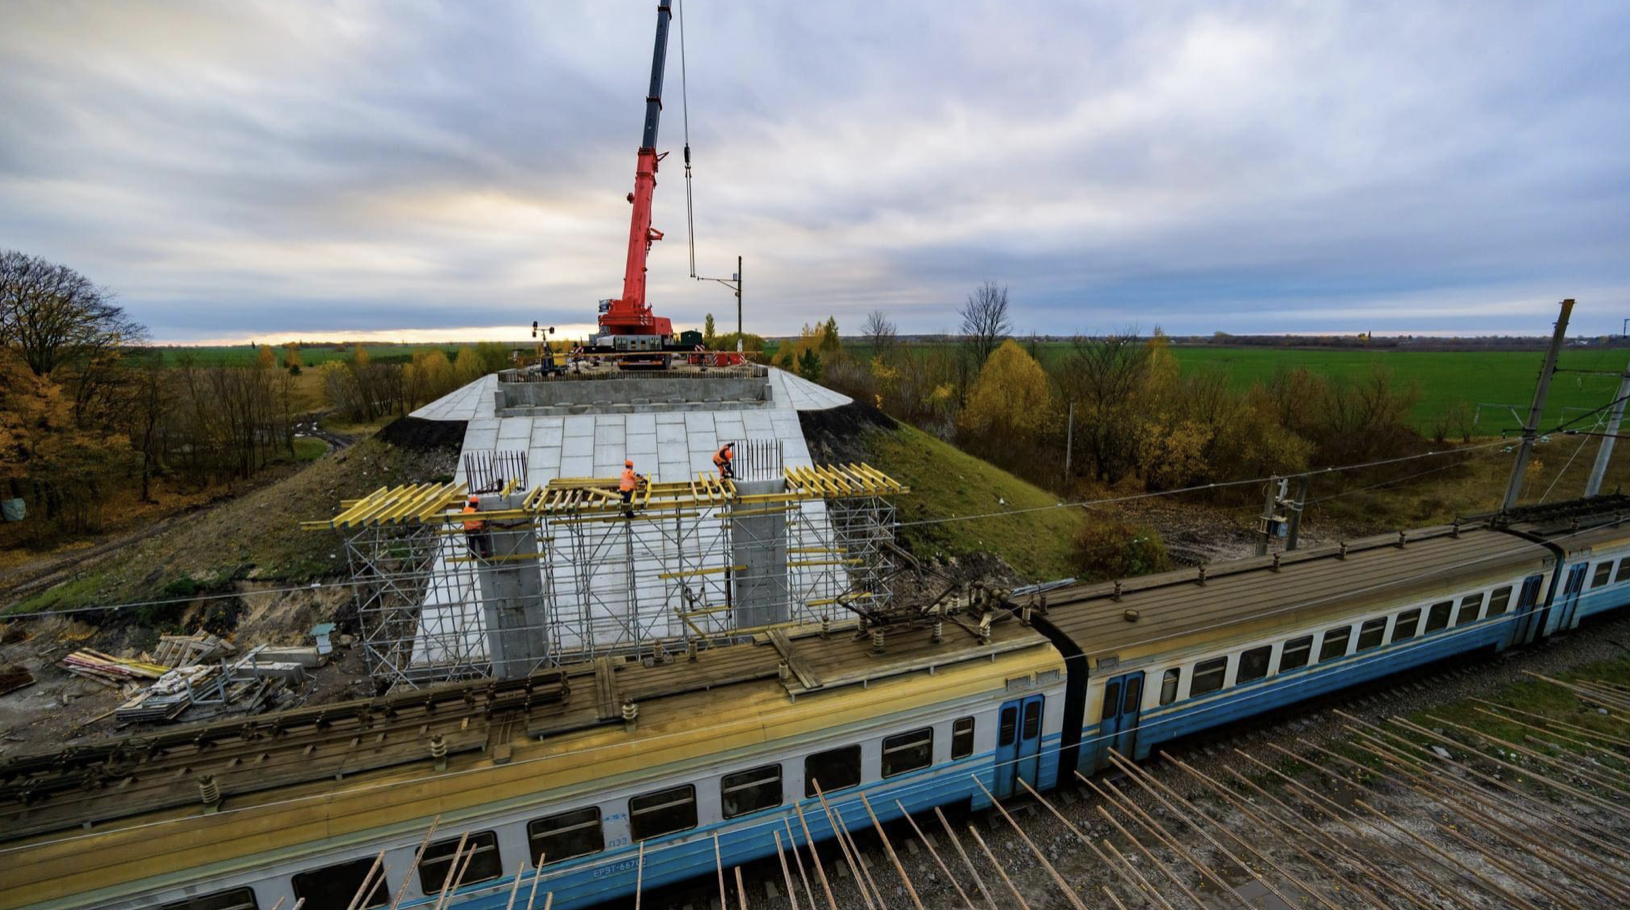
(962, 738)
(1624, 571)
(334, 887)
(908, 751)
(1032, 720)
(563, 836)
(481, 852)
(1168, 685)
(1604, 573)
(1208, 676)
(1470, 606)
(834, 770)
(750, 791)
(236, 899)
(1008, 730)
(1253, 664)
(1500, 600)
(1371, 633)
(1408, 622)
(1134, 695)
(1335, 643)
(1294, 655)
(663, 812)
(1112, 700)
(1438, 617)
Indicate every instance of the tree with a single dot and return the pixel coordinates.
(710, 334)
(880, 333)
(1010, 402)
(291, 357)
(809, 365)
(1104, 377)
(985, 322)
(830, 342)
(52, 315)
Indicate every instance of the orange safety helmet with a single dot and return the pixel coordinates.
(628, 462)
(474, 500)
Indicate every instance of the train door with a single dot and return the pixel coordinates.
(1561, 612)
(1018, 743)
(1529, 613)
(1120, 724)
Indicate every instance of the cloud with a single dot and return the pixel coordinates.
(302, 167)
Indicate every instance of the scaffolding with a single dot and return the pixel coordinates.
(569, 571)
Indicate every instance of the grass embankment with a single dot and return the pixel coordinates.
(255, 537)
(947, 482)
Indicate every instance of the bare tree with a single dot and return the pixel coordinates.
(985, 321)
(53, 315)
(1102, 376)
(879, 332)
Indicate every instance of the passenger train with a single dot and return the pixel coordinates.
(646, 771)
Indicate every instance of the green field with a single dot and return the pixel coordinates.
(1444, 378)
(310, 354)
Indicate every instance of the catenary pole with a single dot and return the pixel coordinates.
(1609, 436)
(1530, 430)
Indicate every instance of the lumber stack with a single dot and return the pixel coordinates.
(105, 668)
(184, 650)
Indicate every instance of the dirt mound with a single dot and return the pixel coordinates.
(419, 435)
(838, 434)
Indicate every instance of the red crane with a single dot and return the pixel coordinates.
(627, 324)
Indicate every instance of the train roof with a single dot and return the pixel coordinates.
(130, 775)
(1215, 603)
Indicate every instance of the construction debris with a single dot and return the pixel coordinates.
(185, 650)
(105, 668)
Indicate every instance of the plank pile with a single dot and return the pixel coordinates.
(105, 668)
(183, 650)
(167, 698)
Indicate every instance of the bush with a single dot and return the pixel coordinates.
(1111, 547)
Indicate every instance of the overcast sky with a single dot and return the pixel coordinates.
(238, 169)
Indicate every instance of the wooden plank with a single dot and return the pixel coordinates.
(606, 700)
(795, 661)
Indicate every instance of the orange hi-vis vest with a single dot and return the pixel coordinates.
(475, 525)
(629, 481)
(722, 456)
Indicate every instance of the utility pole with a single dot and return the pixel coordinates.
(1295, 531)
(1275, 485)
(1605, 453)
(1069, 446)
(739, 335)
(1531, 429)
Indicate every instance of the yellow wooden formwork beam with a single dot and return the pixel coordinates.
(690, 573)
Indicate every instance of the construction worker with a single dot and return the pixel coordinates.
(475, 530)
(630, 481)
(723, 461)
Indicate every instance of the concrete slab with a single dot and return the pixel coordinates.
(577, 447)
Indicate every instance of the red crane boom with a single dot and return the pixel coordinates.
(629, 315)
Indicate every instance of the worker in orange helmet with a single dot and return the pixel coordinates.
(722, 461)
(475, 530)
(629, 482)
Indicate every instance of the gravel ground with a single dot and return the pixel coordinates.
(765, 888)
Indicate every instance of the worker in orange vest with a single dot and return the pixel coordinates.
(722, 461)
(475, 530)
(629, 482)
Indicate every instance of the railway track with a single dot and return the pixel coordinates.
(1212, 754)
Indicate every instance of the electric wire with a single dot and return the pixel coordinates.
(931, 779)
(1085, 503)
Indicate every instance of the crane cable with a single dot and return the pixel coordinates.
(684, 106)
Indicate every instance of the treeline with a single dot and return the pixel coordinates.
(93, 422)
(363, 389)
(1113, 413)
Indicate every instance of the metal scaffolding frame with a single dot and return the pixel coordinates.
(568, 572)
